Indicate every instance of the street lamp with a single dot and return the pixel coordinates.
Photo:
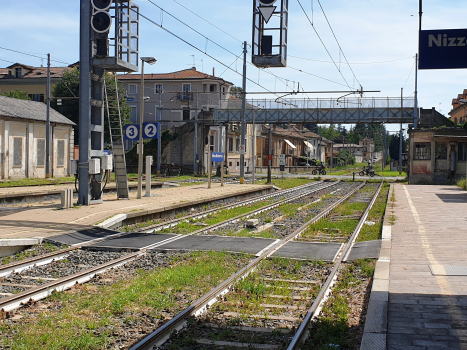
(148, 60)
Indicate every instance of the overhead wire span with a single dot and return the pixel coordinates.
(379, 62)
(322, 42)
(337, 41)
(198, 49)
(411, 69)
(207, 39)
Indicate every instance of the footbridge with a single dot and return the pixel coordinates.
(318, 111)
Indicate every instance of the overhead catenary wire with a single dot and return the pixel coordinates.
(411, 69)
(355, 63)
(322, 42)
(207, 39)
(338, 44)
(198, 49)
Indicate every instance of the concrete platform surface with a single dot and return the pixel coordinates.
(46, 219)
(309, 251)
(249, 245)
(427, 311)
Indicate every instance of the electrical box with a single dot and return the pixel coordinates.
(73, 166)
(106, 163)
(94, 166)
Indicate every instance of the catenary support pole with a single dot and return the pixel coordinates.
(209, 166)
(84, 101)
(253, 165)
(416, 94)
(242, 118)
(270, 155)
(400, 134)
(47, 125)
(195, 153)
(159, 138)
(140, 143)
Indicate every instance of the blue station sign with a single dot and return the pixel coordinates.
(217, 156)
(443, 49)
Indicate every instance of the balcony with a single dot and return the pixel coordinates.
(184, 96)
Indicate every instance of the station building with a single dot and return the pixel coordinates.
(22, 140)
(437, 150)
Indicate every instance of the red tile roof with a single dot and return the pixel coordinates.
(185, 74)
(35, 72)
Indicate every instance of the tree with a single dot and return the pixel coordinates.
(394, 143)
(236, 91)
(19, 94)
(344, 158)
(69, 87)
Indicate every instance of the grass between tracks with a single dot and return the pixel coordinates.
(339, 325)
(86, 317)
(37, 182)
(372, 231)
(341, 223)
(288, 182)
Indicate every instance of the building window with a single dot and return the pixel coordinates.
(230, 163)
(17, 152)
(205, 87)
(237, 144)
(61, 153)
(230, 144)
(133, 116)
(422, 150)
(212, 88)
(132, 89)
(186, 114)
(19, 72)
(441, 151)
(40, 152)
(238, 163)
(158, 89)
(223, 90)
(36, 97)
(462, 151)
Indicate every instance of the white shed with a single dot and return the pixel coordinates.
(22, 140)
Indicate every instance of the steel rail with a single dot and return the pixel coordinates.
(43, 291)
(40, 292)
(221, 224)
(159, 336)
(174, 222)
(301, 333)
(18, 266)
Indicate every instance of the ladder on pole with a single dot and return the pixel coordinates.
(116, 138)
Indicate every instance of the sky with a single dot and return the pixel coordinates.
(378, 39)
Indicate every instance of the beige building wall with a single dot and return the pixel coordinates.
(22, 149)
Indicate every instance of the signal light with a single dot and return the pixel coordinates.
(101, 5)
(101, 20)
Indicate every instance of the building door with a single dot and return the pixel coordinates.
(441, 156)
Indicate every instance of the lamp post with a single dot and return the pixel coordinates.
(148, 60)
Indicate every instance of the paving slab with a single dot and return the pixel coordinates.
(428, 306)
(365, 250)
(309, 251)
(251, 245)
(131, 241)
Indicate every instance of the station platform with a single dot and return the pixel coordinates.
(46, 219)
(427, 271)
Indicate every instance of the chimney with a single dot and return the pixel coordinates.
(213, 71)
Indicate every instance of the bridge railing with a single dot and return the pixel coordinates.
(321, 103)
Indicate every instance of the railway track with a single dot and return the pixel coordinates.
(35, 284)
(278, 310)
(61, 254)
